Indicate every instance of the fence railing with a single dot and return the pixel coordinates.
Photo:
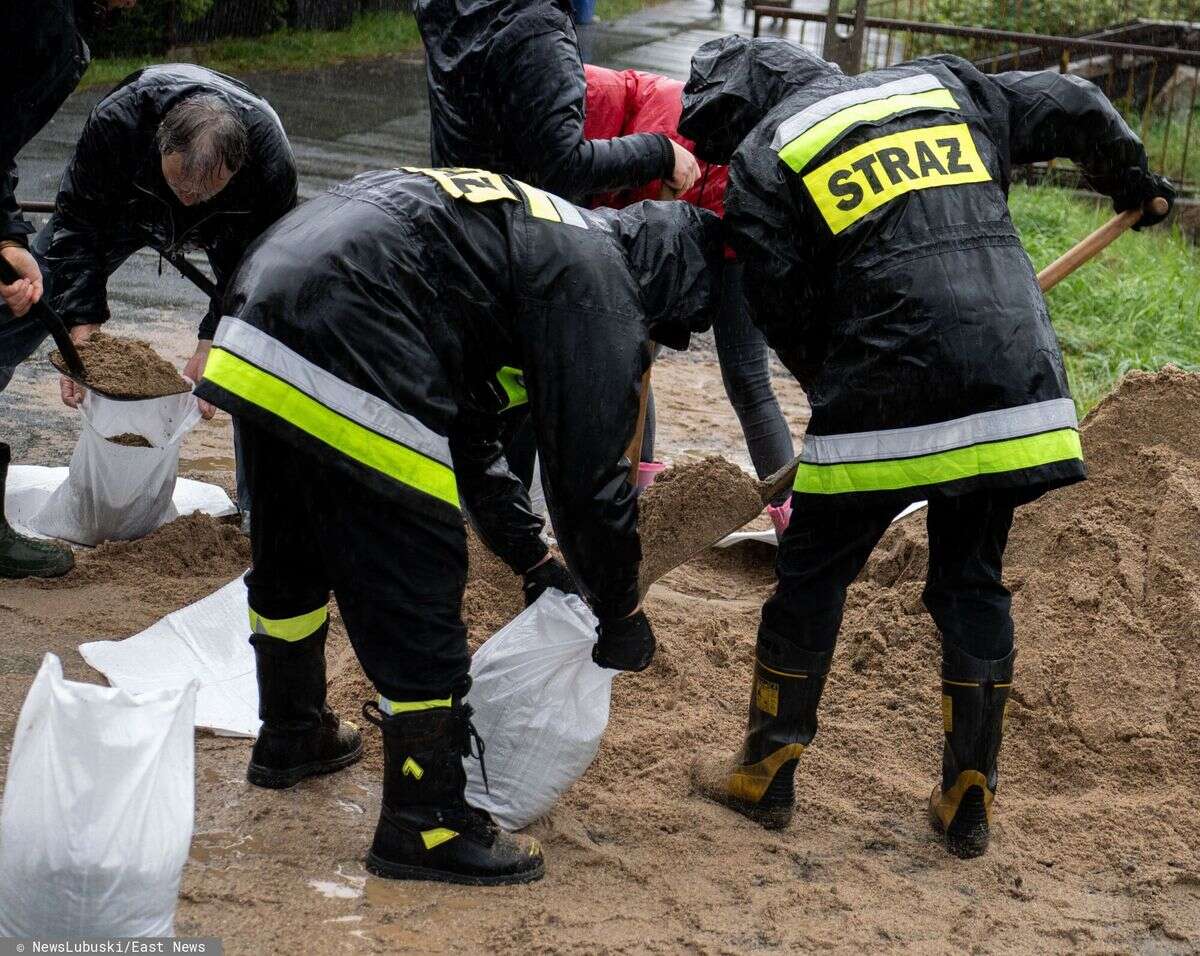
(1149, 68)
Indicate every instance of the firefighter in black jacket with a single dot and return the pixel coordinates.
(506, 93)
(881, 262)
(374, 339)
(177, 158)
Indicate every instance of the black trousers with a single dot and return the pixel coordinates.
(823, 551)
(398, 575)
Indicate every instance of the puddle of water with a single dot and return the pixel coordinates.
(222, 846)
(208, 463)
(350, 806)
(345, 919)
(335, 891)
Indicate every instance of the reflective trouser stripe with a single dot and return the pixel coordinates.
(289, 628)
(397, 461)
(512, 380)
(1014, 454)
(800, 151)
(393, 707)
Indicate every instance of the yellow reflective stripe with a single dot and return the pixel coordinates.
(862, 179)
(390, 458)
(801, 151)
(437, 836)
(408, 706)
(539, 202)
(1014, 454)
(512, 380)
(289, 628)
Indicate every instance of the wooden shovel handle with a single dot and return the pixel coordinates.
(1094, 244)
(634, 451)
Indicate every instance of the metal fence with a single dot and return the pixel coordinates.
(1150, 68)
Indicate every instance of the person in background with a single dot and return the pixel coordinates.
(630, 101)
(176, 158)
(43, 58)
(871, 213)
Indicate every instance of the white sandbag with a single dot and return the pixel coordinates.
(541, 707)
(98, 809)
(115, 492)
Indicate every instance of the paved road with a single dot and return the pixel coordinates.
(341, 120)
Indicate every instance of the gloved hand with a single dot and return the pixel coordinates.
(1136, 188)
(549, 574)
(625, 644)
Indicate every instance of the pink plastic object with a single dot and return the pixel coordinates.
(647, 472)
(780, 516)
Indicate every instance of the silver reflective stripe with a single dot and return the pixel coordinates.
(568, 213)
(271, 355)
(810, 116)
(941, 436)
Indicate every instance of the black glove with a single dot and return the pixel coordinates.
(625, 644)
(548, 574)
(1136, 188)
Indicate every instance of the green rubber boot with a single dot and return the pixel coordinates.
(22, 557)
(974, 697)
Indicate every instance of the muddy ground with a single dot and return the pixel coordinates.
(1097, 836)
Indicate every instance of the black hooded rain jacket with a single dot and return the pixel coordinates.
(390, 323)
(871, 214)
(507, 93)
(114, 199)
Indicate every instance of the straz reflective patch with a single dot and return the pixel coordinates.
(866, 177)
(766, 696)
(473, 185)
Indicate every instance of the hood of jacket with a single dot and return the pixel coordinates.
(675, 252)
(734, 83)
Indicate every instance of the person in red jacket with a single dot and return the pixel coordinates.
(630, 101)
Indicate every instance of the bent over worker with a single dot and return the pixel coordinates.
(871, 214)
(372, 340)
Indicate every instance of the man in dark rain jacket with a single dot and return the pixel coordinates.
(506, 93)
(133, 183)
(373, 340)
(871, 215)
(43, 58)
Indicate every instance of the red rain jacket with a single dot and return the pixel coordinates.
(629, 101)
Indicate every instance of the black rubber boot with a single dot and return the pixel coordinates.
(758, 781)
(426, 830)
(974, 696)
(22, 557)
(300, 736)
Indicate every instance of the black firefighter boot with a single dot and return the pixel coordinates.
(758, 781)
(300, 736)
(974, 695)
(426, 830)
(22, 557)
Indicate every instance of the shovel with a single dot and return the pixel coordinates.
(51, 320)
(1096, 243)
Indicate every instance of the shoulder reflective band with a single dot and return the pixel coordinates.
(803, 149)
(874, 173)
(544, 205)
(248, 363)
(473, 185)
(393, 707)
(512, 380)
(289, 628)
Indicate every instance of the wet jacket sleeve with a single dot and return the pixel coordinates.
(1052, 116)
(544, 112)
(584, 422)
(13, 225)
(493, 496)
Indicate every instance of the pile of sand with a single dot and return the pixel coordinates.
(127, 368)
(130, 440)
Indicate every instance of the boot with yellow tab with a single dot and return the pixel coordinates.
(758, 780)
(426, 830)
(974, 696)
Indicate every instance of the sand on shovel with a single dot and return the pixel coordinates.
(689, 508)
(125, 368)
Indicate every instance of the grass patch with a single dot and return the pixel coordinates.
(1135, 306)
(372, 35)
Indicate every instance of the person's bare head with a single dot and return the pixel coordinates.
(203, 143)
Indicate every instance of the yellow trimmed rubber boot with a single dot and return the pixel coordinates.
(974, 696)
(300, 737)
(22, 557)
(758, 781)
(427, 830)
